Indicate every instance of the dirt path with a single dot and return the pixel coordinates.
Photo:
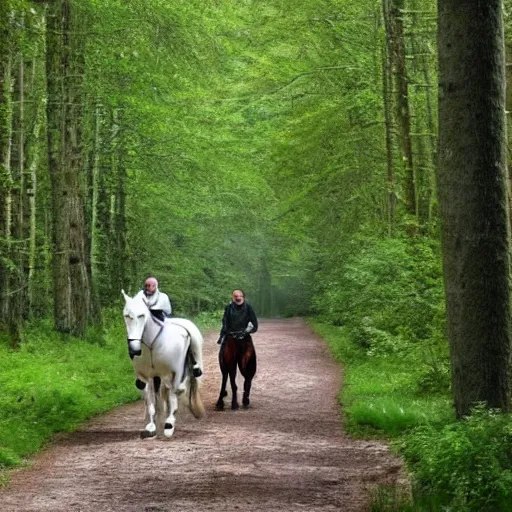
(287, 452)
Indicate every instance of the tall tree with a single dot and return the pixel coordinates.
(473, 200)
(71, 287)
(17, 247)
(5, 150)
(395, 29)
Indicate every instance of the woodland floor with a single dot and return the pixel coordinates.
(286, 452)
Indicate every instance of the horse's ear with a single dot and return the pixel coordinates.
(124, 295)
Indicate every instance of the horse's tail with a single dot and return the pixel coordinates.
(195, 401)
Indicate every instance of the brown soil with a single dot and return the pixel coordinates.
(286, 452)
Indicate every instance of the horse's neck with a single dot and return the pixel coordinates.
(151, 329)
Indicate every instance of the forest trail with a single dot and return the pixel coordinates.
(287, 452)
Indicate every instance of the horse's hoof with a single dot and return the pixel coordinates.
(234, 406)
(146, 434)
(168, 430)
(197, 371)
(134, 353)
(219, 406)
(245, 402)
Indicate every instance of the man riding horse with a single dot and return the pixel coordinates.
(159, 304)
(238, 317)
(237, 349)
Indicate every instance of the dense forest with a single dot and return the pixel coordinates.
(212, 145)
(289, 149)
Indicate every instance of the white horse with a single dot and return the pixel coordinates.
(164, 362)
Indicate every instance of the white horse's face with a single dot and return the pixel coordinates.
(135, 315)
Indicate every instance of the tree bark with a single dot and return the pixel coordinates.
(71, 288)
(396, 32)
(5, 148)
(17, 253)
(387, 90)
(472, 193)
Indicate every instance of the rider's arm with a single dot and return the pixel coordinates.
(162, 303)
(253, 319)
(168, 307)
(224, 329)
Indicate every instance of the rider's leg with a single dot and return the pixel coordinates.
(197, 361)
(196, 354)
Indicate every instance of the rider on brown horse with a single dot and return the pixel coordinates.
(238, 317)
(237, 349)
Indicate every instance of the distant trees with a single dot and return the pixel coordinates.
(472, 189)
(111, 159)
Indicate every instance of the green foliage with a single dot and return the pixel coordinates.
(464, 466)
(388, 293)
(208, 320)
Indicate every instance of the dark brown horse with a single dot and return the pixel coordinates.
(236, 351)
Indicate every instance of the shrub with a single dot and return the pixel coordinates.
(386, 292)
(467, 465)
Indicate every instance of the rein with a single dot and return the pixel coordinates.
(150, 346)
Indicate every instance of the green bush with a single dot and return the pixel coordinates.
(466, 465)
(386, 292)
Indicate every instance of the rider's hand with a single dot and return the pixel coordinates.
(248, 330)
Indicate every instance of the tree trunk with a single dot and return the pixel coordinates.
(396, 33)
(473, 200)
(33, 163)
(387, 90)
(71, 289)
(508, 107)
(17, 253)
(5, 148)
(92, 248)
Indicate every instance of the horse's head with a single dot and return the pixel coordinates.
(135, 314)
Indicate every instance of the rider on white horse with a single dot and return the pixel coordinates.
(159, 304)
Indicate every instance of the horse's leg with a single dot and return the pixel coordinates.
(248, 370)
(232, 381)
(149, 401)
(172, 404)
(220, 402)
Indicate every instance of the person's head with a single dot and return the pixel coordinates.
(150, 286)
(238, 297)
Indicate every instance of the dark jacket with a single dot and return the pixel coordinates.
(237, 317)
